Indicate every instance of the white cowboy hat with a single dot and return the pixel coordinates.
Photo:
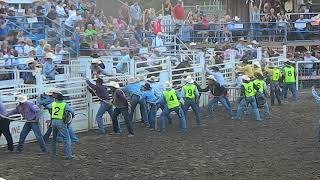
(193, 44)
(159, 33)
(211, 77)
(113, 84)
(50, 91)
(95, 61)
(241, 39)
(30, 60)
(256, 63)
(250, 46)
(153, 79)
(141, 77)
(254, 42)
(12, 9)
(131, 80)
(189, 80)
(22, 98)
(167, 85)
(246, 78)
(308, 52)
(236, 18)
(50, 56)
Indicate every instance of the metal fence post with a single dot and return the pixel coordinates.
(297, 75)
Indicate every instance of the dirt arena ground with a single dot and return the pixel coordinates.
(283, 148)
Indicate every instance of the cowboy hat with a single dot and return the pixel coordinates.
(236, 18)
(50, 91)
(147, 87)
(159, 33)
(189, 80)
(256, 63)
(211, 77)
(113, 84)
(153, 79)
(308, 52)
(21, 98)
(246, 78)
(95, 61)
(50, 56)
(193, 44)
(250, 46)
(30, 61)
(131, 80)
(12, 9)
(167, 85)
(254, 42)
(242, 39)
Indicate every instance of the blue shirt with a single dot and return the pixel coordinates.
(218, 75)
(124, 60)
(150, 96)
(157, 88)
(3, 110)
(49, 70)
(28, 110)
(46, 100)
(133, 88)
(315, 96)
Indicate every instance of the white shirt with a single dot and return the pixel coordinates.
(60, 11)
(309, 59)
(301, 23)
(72, 19)
(59, 56)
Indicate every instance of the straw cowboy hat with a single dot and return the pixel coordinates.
(246, 78)
(308, 52)
(256, 63)
(113, 84)
(236, 18)
(52, 90)
(132, 80)
(153, 79)
(193, 44)
(211, 77)
(189, 80)
(95, 61)
(21, 98)
(167, 85)
(49, 56)
(242, 39)
(30, 61)
(254, 42)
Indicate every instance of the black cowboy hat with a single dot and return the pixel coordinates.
(95, 55)
(147, 87)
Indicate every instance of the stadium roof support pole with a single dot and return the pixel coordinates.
(297, 75)
(284, 52)
(132, 68)
(39, 83)
(259, 53)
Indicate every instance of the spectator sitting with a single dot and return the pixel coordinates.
(49, 70)
(308, 67)
(52, 15)
(29, 77)
(39, 48)
(301, 26)
(20, 47)
(59, 52)
(72, 20)
(90, 32)
(60, 9)
(4, 30)
(157, 42)
(28, 46)
(28, 13)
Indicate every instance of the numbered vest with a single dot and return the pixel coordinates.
(275, 74)
(171, 99)
(58, 110)
(260, 84)
(248, 89)
(189, 91)
(289, 75)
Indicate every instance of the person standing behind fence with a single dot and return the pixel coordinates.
(317, 100)
(124, 64)
(133, 91)
(105, 105)
(289, 80)
(171, 101)
(308, 66)
(190, 94)
(121, 105)
(5, 127)
(248, 91)
(31, 113)
(58, 110)
(274, 84)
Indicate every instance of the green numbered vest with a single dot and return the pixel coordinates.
(275, 74)
(248, 89)
(189, 91)
(58, 110)
(260, 84)
(289, 75)
(171, 99)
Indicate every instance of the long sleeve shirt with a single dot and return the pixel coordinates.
(67, 108)
(132, 89)
(3, 111)
(315, 96)
(218, 75)
(49, 70)
(150, 96)
(100, 90)
(119, 99)
(45, 100)
(28, 110)
(215, 89)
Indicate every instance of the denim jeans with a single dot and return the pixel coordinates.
(166, 112)
(37, 132)
(292, 88)
(60, 127)
(162, 106)
(135, 100)
(195, 107)
(214, 102)
(99, 117)
(243, 104)
(152, 114)
(5, 130)
(125, 113)
(266, 106)
(275, 92)
(48, 133)
(72, 134)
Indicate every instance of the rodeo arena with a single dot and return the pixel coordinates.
(160, 89)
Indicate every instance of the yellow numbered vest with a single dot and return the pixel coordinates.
(171, 99)
(58, 110)
(275, 74)
(289, 75)
(248, 89)
(260, 84)
(189, 91)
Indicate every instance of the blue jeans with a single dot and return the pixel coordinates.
(166, 112)
(214, 102)
(72, 134)
(125, 114)
(266, 106)
(5, 130)
(243, 104)
(292, 88)
(152, 114)
(195, 107)
(37, 132)
(99, 117)
(135, 100)
(60, 127)
(162, 106)
(274, 92)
